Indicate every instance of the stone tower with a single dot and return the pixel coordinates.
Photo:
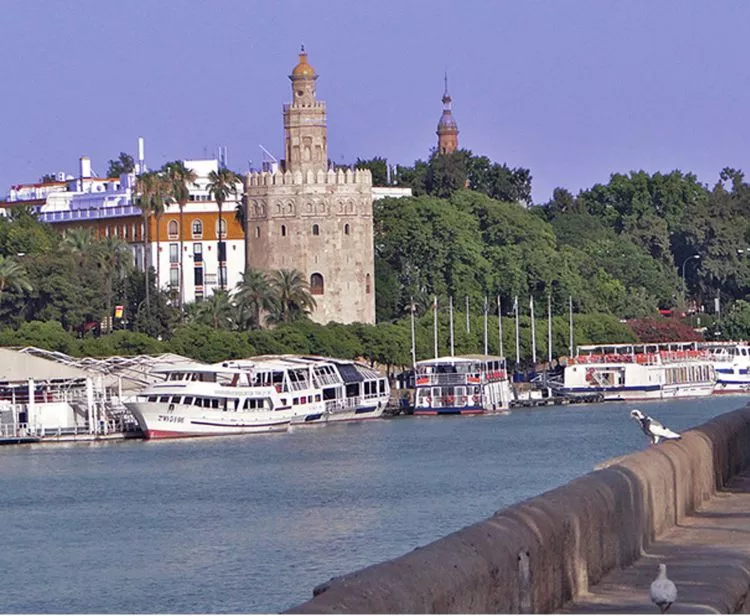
(447, 129)
(308, 217)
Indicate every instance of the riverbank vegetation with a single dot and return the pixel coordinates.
(623, 254)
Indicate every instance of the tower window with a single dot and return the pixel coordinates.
(317, 286)
(316, 230)
(257, 231)
(368, 284)
(283, 230)
(346, 229)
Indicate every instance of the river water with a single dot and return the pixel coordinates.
(253, 523)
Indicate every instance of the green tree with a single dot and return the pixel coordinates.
(152, 191)
(222, 184)
(253, 296)
(216, 311)
(292, 298)
(378, 166)
(122, 164)
(114, 258)
(180, 179)
(12, 274)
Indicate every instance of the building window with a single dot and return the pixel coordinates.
(174, 277)
(135, 231)
(222, 276)
(197, 229)
(317, 286)
(174, 253)
(198, 253)
(198, 276)
(316, 230)
(346, 229)
(106, 231)
(143, 230)
(257, 231)
(124, 232)
(173, 230)
(283, 230)
(221, 228)
(368, 284)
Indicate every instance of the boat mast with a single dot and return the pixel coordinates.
(500, 326)
(451, 321)
(413, 338)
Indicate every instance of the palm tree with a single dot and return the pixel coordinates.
(114, 257)
(253, 295)
(152, 191)
(180, 177)
(292, 298)
(215, 311)
(221, 185)
(12, 275)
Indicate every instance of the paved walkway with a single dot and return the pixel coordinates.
(707, 557)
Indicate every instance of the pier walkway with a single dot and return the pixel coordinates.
(707, 556)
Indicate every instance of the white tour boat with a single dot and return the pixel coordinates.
(461, 385)
(652, 371)
(732, 365)
(233, 397)
(351, 390)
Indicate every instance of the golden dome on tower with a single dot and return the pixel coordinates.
(303, 69)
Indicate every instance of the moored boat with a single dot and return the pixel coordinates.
(461, 385)
(234, 397)
(732, 365)
(652, 371)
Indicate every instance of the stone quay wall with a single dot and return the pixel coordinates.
(537, 555)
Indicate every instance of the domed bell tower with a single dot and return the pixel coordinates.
(305, 146)
(447, 129)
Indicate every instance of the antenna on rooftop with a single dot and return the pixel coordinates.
(269, 163)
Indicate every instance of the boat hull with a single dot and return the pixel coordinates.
(161, 421)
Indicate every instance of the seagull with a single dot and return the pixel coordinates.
(663, 590)
(652, 428)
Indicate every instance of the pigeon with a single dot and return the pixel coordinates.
(663, 590)
(652, 428)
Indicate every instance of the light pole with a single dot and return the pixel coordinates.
(684, 286)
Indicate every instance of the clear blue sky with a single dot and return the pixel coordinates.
(572, 90)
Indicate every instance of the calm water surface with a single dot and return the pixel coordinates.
(251, 524)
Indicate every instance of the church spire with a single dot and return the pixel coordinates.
(447, 129)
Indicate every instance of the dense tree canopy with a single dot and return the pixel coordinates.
(619, 251)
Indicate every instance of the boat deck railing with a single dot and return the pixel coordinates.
(453, 378)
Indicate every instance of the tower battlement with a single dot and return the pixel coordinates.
(339, 177)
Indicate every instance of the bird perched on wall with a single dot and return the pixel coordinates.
(663, 590)
(652, 428)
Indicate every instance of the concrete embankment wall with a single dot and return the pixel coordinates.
(538, 554)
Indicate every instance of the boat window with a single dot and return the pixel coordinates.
(152, 398)
(382, 386)
(188, 400)
(295, 401)
(176, 399)
(303, 400)
(214, 403)
(163, 398)
(198, 402)
(317, 397)
(283, 401)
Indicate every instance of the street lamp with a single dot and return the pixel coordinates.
(684, 263)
